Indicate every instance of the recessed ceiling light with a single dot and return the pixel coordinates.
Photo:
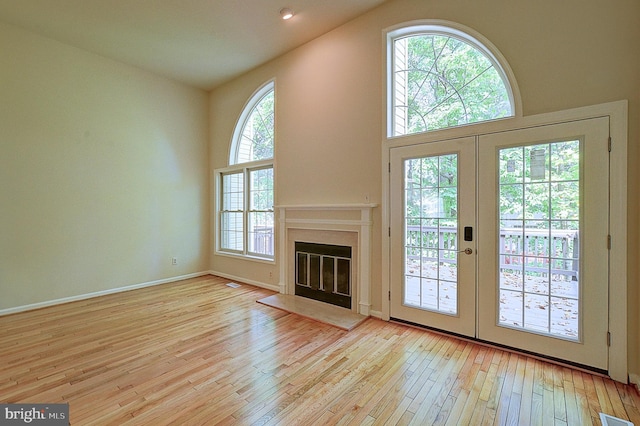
(286, 13)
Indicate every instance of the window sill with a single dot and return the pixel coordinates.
(246, 257)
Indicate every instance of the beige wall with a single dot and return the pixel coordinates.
(329, 105)
(103, 171)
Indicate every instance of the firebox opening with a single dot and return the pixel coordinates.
(323, 272)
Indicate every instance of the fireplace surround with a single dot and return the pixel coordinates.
(347, 225)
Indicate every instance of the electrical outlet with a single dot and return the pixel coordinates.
(270, 274)
(174, 260)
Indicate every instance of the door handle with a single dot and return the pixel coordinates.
(468, 250)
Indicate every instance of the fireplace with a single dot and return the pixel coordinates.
(310, 268)
(323, 272)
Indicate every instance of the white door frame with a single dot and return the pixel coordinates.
(618, 119)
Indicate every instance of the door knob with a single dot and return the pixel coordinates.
(468, 250)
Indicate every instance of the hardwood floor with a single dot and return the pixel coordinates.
(199, 352)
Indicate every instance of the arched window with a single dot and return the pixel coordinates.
(441, 76)
(245, 187)
(254, 132)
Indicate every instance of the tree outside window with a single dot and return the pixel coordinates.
(442, 78)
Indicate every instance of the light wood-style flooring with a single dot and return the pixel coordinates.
(198, 352)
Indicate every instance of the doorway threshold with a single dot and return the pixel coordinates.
(557, 361)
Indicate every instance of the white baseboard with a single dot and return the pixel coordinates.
(97, 294)
(272, 287)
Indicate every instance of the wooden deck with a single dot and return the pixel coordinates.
(199, 352)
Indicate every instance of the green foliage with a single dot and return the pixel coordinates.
(258, 132)
(261, 189)
(546, 191)
(448, 83)
(431, 187)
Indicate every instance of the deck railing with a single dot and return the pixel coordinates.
(541, 251)
(531, 249)
(262, 240)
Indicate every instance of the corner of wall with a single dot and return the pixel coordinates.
(634, 379)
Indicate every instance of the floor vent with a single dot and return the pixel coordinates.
(608, 420)
(233, 285)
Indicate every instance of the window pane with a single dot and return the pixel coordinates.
(539, 238)
(232, 192)
(261, 218)
(261, 189)
(260, 235)
(442, 81)
(256, 138)
(231, 232)
(231, 216)
(431, 233)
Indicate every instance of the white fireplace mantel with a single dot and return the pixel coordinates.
(353, 218)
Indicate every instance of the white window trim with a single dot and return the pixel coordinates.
(245, 168)
(449, 29)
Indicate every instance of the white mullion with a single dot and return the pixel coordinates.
(245, 212)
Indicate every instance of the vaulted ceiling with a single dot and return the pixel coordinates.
(202, 43)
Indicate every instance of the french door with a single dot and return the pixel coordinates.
(503, 238)
(433, 269)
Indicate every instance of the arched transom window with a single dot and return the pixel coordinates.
(254, 133)
(443, 77)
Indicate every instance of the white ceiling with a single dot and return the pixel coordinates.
(202, 43)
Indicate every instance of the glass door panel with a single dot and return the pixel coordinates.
(433, 277)
(542, 253)
(431, 229)
(539, 205)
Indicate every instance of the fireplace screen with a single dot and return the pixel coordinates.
(323, 272)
